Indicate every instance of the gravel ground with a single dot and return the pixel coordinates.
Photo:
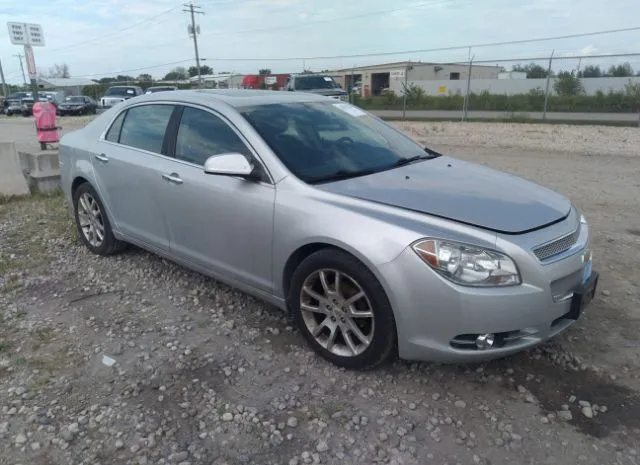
(134, 360)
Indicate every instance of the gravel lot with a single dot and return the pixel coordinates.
(134, 360)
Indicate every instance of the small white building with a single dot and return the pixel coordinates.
(68, 86)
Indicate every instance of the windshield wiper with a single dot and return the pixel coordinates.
(339, 175)
(407, 161)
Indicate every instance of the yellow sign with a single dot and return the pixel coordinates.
(442, 89)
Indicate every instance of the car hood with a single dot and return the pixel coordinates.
(461, 191)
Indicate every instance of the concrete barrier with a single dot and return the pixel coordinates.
(41, 169)
(12, 181)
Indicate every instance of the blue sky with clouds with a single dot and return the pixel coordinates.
(102, 37)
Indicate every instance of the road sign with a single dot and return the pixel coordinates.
(31, 62)
(26, 34)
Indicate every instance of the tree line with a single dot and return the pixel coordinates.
(536, 71)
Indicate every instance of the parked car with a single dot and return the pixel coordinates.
(153, 89)
(316, 84)
(117, 94)
(372, 241)
(77, 105)
(13, 106)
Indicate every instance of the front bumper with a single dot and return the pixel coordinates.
(439, 321)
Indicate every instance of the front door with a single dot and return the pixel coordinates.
(128, 166)
(222, 223)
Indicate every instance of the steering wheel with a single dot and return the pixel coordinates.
(345, 139)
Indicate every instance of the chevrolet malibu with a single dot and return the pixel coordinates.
(375, 244)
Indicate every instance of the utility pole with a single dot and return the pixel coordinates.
(195, 30)
(546, 90)
(20, 57)
(4, 84)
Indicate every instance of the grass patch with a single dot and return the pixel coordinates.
(5, 346)
(44, 334)
(10, 199)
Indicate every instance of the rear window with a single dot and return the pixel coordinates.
(120, 92)
(315, 82)
(144, 127)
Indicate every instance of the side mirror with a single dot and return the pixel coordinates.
(229, 164)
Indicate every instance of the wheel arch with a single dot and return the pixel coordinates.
(299, 254)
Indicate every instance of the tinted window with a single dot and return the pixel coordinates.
(319, 141)
(314, 82)
(120, 91)
(202, 135)
(144, 127)
(114, 131)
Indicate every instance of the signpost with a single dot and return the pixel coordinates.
(29, 35)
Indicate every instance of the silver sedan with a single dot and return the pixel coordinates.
(375, 244)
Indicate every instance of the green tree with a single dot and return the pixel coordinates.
(59, 71)
(623, 70)
(145, 77)
(178, 73)
(591, 72)
(204, 69)
(568, 84)
(533, 70)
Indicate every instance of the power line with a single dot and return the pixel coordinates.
(439, 49)
(325, 21)
(111, 73)
(113, 33)
(499, 60)
(305, 24)
(20, 57)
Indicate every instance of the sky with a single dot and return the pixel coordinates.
(99, 38)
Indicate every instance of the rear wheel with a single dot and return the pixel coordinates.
(92, 222)
(342, 310)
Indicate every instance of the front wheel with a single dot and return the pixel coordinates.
(342, 310)
(92, 222)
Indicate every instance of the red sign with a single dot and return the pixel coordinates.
(31, 62)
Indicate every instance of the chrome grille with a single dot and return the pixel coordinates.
(557, 246)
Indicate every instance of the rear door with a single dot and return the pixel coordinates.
(129, 165)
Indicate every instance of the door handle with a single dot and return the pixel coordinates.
(173, 177)
(102, 157)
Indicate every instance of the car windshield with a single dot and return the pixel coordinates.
(321, 142)
(315, 82)
(119, 91)
(74, 100)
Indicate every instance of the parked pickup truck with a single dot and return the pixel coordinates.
(117, 94)
(316, 84)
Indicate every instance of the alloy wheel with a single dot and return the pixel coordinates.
(90, 219)
(337, 312)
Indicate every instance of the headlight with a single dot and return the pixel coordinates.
(583, 220)
(468, 265)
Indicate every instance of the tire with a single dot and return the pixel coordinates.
(353, 274)
(109, 245)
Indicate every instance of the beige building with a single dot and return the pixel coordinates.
(373, 79)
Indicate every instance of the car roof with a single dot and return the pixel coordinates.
(233, 97)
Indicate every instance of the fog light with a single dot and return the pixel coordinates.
(485, 341)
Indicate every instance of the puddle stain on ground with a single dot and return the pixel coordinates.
(553, 386)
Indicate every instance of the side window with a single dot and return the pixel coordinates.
(144, 127)
(202, 134)
(114, 131)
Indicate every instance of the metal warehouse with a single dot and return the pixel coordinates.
(375, 79)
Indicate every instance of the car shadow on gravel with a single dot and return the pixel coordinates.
(554, 385)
